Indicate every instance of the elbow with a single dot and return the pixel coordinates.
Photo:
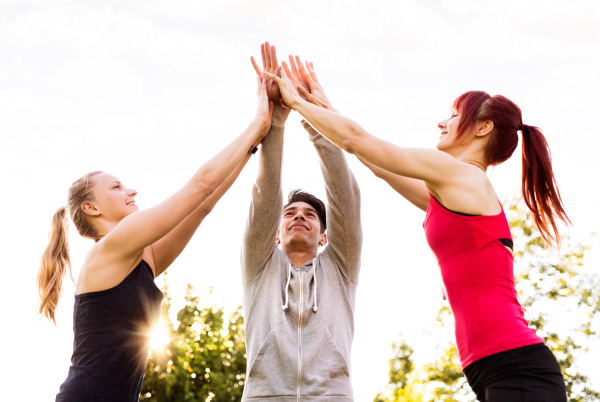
(205, 190)
(351, 142)
(378, 174)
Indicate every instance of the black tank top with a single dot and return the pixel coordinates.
(112, 330)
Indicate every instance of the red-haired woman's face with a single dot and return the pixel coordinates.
(449, 129)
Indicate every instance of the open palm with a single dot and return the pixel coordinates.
(270, 65)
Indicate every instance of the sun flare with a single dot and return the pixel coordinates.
(159, 336)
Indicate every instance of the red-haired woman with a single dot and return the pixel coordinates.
(502, 358)
(116, 301)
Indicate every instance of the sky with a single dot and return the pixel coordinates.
(149, 90)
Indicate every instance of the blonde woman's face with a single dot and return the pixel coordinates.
(112, 199)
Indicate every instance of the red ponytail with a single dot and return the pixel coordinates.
(539, 188)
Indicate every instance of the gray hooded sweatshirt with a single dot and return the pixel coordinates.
(300, 320)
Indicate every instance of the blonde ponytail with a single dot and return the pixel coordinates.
(55, 260)
(53, 265)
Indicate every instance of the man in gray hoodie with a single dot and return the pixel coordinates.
(298, 303)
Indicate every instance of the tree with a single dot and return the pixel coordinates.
(204, 359)
(551, 286)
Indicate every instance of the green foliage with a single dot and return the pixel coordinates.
(551, 285)
(204, 360)
(441, 380)
(555, 284)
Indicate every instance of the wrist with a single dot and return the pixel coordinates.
(258, 128)
(332, 109)
(299, 105)
(280, 115)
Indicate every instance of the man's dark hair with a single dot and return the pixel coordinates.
(318, 205)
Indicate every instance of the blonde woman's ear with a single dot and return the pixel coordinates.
(89, 209)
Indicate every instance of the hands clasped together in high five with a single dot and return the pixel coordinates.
(297, 81)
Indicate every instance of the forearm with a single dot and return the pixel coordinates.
(267, 200)
(152, 224)
(167, 249)
(414, 190)
(344, 230)
(218, 168)
(340, 130)
(270, 158)
(208, 205)
(431, 166)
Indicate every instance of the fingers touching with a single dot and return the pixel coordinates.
(299, 77)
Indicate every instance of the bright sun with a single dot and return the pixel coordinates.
(159, 336)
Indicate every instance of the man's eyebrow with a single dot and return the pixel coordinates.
(292, 207)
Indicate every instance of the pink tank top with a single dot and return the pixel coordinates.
(477, 271)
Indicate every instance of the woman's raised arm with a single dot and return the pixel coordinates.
(414, 190)
(436, 168)
(143, 228)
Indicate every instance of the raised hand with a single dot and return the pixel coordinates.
(289, 93)
(294, 75)
(270, 65)
(315, 93)
(264, 109)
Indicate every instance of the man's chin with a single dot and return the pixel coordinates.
(299, 240)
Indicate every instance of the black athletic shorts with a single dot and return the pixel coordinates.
(527, 374)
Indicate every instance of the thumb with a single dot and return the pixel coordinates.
(273, 77)
(305, 94)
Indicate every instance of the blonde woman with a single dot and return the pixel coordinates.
(116, 301)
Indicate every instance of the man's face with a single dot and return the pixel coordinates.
(300, 228)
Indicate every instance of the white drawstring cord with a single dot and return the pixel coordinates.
(285, 306)
(287, 286)
(315, 308)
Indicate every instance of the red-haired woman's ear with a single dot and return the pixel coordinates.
(485, 128)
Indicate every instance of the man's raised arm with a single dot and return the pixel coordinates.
(267, 200)
(344, 230)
